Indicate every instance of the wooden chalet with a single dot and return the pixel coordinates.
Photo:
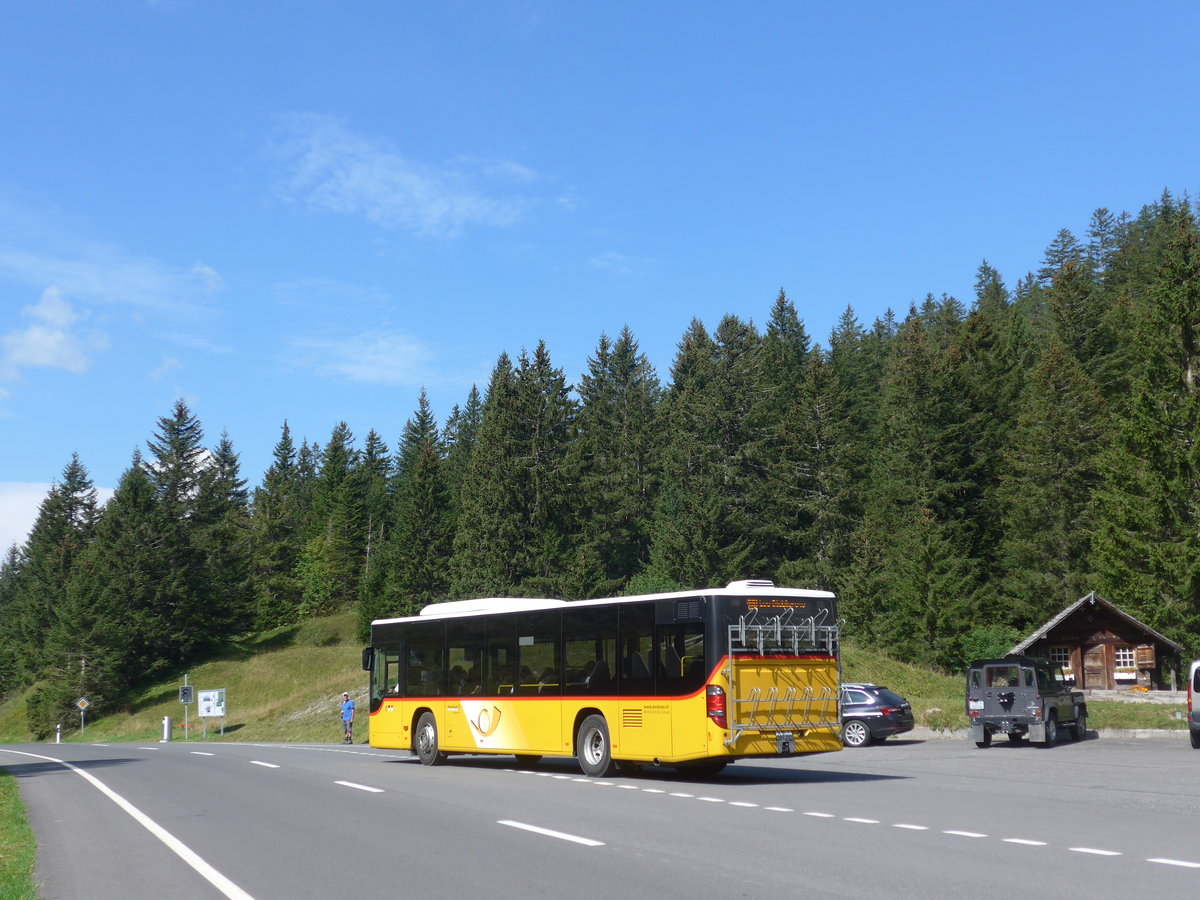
(1102, 648)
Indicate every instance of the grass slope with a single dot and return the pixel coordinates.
(283, 685)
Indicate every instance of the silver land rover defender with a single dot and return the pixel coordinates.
(1022, 696)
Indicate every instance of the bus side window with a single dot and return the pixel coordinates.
(681, 650)
(425, 645)
(589, 650)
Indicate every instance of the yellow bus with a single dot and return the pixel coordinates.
(693, 679)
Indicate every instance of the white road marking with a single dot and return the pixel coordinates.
(200, 753)
(819, 815)
(1094, 851)
(266, 765)
(682, 795)
(861, 821)
(360, 787)
(1175, 862)
(653, 791)
(911, 827)
(149, 748)
(562, 836)
(742, 803)
(189, 856)
(711, 799)
(970, 834)
(778, 809)
(1025, 842)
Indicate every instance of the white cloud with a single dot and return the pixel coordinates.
(371, 357)
(50, 340)
(20, 502)
(332, 169)
(168, 364)
(102, 274)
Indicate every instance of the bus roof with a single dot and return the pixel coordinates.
(488, 605)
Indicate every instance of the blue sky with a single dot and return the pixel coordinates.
(309, 211)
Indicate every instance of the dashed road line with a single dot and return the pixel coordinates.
(360, 787)
(200, 753)
(1175, 862)
(561, 835)
(265, 765)
(908, 826)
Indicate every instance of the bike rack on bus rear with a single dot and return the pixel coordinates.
(792, 711)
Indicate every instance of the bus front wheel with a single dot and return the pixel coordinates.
(593, 748)
(425, 741)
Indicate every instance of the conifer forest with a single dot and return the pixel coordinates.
(956, 472)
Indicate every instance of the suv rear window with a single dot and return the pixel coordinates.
(890, 698)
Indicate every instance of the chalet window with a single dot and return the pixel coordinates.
(1061, 656)
(1125, 660)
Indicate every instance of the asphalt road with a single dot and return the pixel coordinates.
(927, 819)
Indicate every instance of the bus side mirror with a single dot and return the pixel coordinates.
(368, 659)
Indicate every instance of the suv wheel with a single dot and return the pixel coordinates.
(1051, 730)
(1080, 730)
(855, 733)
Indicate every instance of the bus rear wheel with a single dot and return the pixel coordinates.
(594, 749)
(425, 741)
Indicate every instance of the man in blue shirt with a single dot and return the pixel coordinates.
(347, 719)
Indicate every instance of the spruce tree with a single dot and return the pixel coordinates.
(1045, 491)
(222, 531)
(1147, 547)
(712, 460)
(184, 618)
(277, 531)
(63, 529)
(612, 460)
(411, 570)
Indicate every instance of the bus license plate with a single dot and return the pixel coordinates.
(785, 743)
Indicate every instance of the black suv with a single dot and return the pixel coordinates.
(870, 712)
(1022, 696)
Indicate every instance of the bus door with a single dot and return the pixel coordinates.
(645, 719)
(680, 684)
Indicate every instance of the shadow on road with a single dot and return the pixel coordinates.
(747, 772)
(41, 767)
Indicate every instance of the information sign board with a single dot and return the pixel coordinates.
(212, 704)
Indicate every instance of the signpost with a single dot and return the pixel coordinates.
(212, 706)
(83, 704)
(186, 692)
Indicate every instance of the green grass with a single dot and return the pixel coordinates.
(16, 844)
(283, 685)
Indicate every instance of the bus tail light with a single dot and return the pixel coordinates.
(715, 697)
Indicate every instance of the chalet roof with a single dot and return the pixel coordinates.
(1093, 599)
